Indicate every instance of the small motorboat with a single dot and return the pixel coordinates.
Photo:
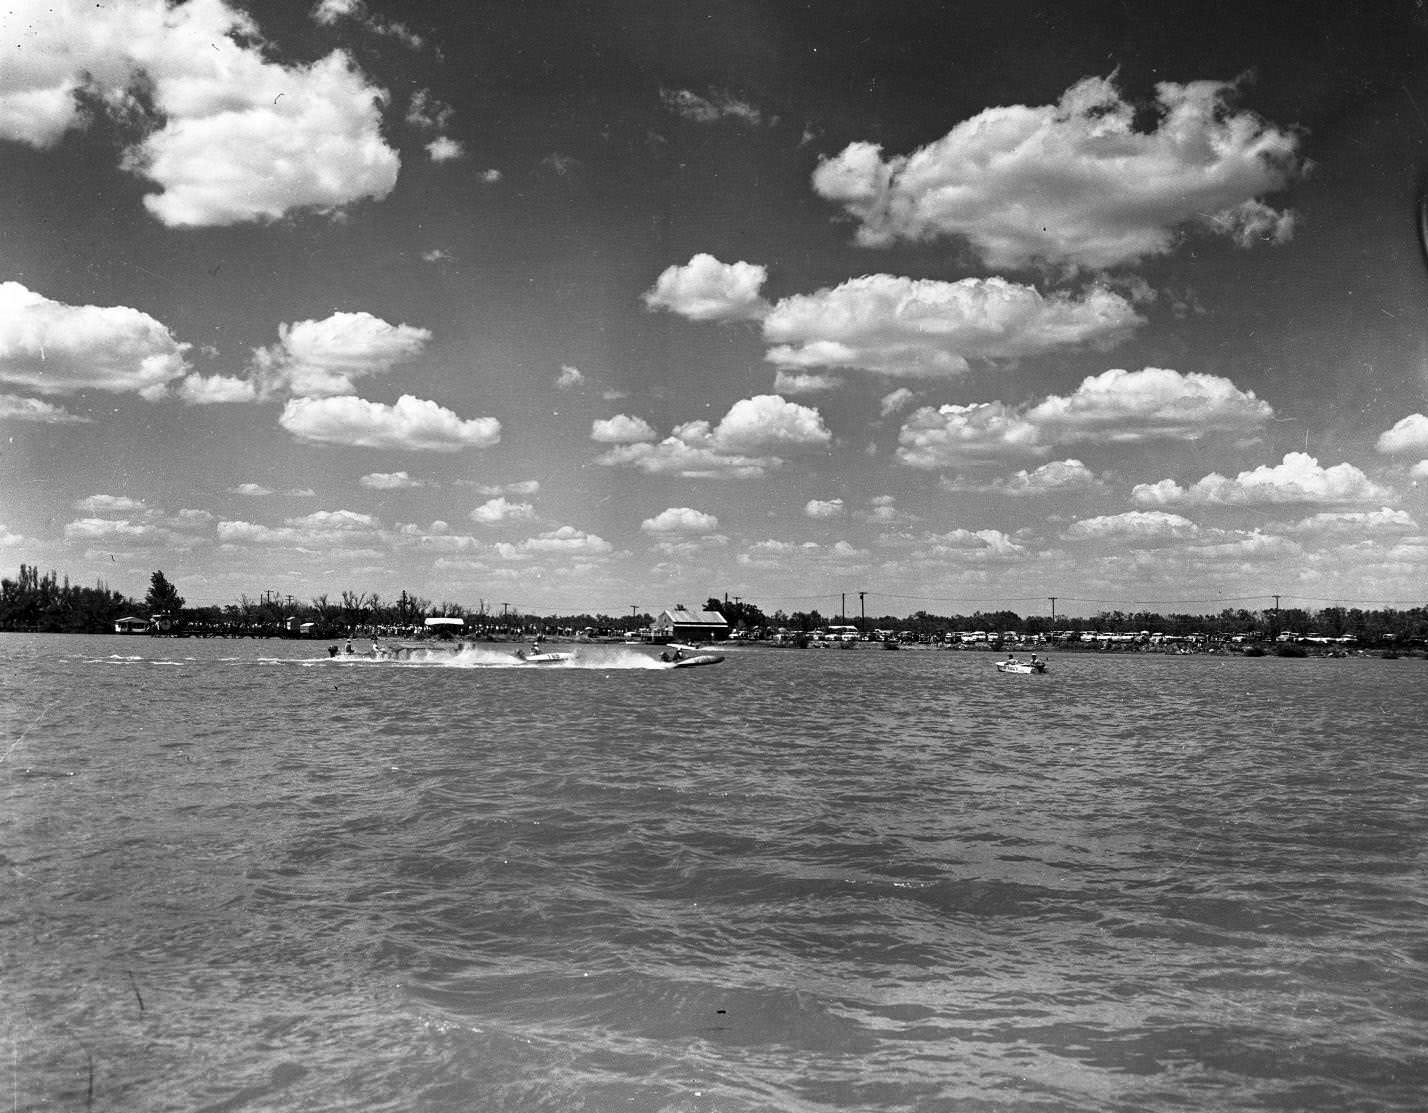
(538, 656)
(1022, 667)
(690, 661)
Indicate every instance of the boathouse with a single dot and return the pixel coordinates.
(130, 625)
(678, 623)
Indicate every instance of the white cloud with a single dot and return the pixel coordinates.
(109, 504)
(1076, 183)
(621, 429)
(206, 390)
(769, 421)
(499, 510)
(1419, 470)
(522, 487)
(718, 105)
(928, 328)
(569, 377)
(324, 358)
(491, 176)
(444, 149)
(436, 255)
(1356, 523)
(412, 423)
(680, 519)
(1298, 479)
(389, 481)
(973, 434)
(704, 289)
(895, 401)
(426, 111)
(1116, 406)
(252, 490)
(801, 383)
(823, 508)
(55, 348)
(1152, 404)
(1134, 526)
(566, 540)
(1410, 434)
(235, 136)
(740, 446)
(1058, 476)
(32, 409)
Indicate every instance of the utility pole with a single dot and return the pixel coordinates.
(634, 621)
(862, 615)
(843, 608)
(1053, 613)
(1274, 629)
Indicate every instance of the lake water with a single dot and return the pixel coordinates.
(237, 875)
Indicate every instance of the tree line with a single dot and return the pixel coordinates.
(47, 604)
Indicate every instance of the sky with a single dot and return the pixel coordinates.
(585, 307)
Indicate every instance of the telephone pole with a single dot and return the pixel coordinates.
(862, 615)
(1053, 613)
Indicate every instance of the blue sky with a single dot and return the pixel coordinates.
(579, 306)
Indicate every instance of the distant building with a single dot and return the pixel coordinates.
(130, 625)
(678, 623)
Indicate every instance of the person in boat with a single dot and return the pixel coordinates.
(349, 645)
(679, 654)
(1011, 659)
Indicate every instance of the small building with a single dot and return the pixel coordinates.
(678, 623)
(130, 625)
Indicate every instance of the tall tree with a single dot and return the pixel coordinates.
(163, 597)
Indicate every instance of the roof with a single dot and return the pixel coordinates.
(682, 616)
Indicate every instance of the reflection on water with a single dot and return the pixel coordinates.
(241, 875)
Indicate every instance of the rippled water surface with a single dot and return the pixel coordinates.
(236, 875)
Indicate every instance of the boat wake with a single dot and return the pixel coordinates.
(483, 657)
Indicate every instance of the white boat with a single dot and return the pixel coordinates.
(1023, 667)
(694, 659)
(535, 656)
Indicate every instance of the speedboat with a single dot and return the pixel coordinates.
(1022, 667)
(690, 661)
(535, 656)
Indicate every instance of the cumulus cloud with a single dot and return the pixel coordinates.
(1134, 526)
(389, 481)
(1297, 479)
(928, 328)
(621, 429)
(1116, 406)
(54, 348)
(232, 135)
(109, 504)
(680, 519)
(412, 423)
(252, 490)
(569, 377)
(895, 401)
(16, 408)
(324, 358)
(1410, 434)
(522, 487)
(1058, 476)
(207, 390)
(496, 511)
(444, 149)
(1152, 404)
(704, 289)
(823, 508)
(567, 540)
(802, 383)
(1356, 523)
(426, 111)
(1076, 183)
(742, 445)
(718, 105)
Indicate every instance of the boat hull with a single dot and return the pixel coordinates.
(1021, 668)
